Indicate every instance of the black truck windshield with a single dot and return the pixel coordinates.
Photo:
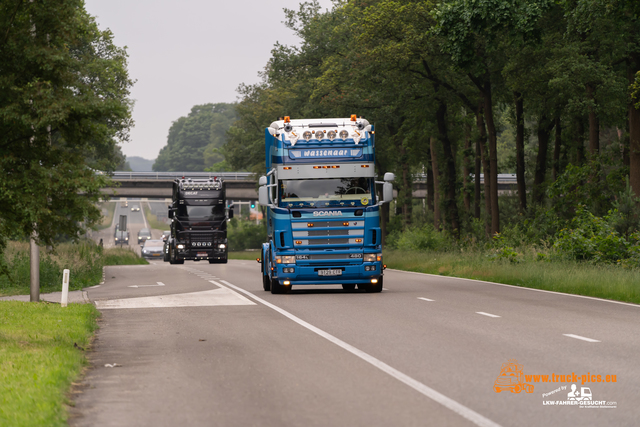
(345, 192)
(207, 213)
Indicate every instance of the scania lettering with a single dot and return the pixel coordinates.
(323, 211)
(199, 216)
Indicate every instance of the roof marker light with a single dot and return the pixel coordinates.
(364, 166)
(287, 119)
(354, 117)
(287, 168)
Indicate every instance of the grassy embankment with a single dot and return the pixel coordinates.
(572, 277)
(85, 260)
(108, 218)
(153, 220)
(601, 281)
(41, 344)
(41, 353)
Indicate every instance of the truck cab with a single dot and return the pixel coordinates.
(323, 210)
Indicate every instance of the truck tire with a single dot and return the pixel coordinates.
(375, 287)
(266, 283)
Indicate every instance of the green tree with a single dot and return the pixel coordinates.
(194, 142)
(64, 107)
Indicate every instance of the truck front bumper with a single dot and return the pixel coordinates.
(310, 274)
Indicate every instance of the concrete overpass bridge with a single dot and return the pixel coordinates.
(241, 186)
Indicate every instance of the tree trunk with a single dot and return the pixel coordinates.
(580, 142)
(430, 189)
(594, 124)
(484, 156)
(407, 199)
(476, 181)
(522, 186)
(544, 131)
(436, 184)
(466, 167)
(493, 156)
(556, 149)
(634, 135)
(450, 205)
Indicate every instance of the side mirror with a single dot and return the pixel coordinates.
(230, 211)
(389, 176)
(141, 246)
(170, 213)
(262, 181)
(263, 195)
(387, 192)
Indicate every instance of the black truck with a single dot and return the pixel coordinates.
(199, 216)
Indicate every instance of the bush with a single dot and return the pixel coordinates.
(243, 235)
(595, 239)
(423, 238)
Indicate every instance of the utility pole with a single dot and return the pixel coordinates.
(35, 267)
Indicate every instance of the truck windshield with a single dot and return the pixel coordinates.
(337, 192)
(207, 213)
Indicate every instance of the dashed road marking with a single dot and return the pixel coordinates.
(426, 299)
(487, 314)
(578, 337)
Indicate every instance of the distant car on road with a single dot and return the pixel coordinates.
(135, 208)
(153, 249)
(144, 235)
(165, 235)
(122, 237)
(124, 204)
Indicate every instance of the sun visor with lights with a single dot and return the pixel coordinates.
(327, 131)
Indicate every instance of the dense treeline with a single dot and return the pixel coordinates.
(194, 142)
(543, 89)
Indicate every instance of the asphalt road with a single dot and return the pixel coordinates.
(135, 222)
(202, 344)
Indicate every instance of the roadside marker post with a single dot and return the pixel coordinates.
(65, 287)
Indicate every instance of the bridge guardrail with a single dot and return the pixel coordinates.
(235, 176)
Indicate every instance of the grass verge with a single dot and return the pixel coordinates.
(108, 218)
(39, 359)
(153, 221)
(601, 281)
(247, 255)
(85, 261)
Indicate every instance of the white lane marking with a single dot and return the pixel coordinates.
(518, 287)
(427, 391)
(578, 337)
(93, 287)
(487, 314)
(145, 286)
(213, 297)
(425, 299)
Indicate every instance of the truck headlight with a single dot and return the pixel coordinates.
(180, 246)
(286, 259)
(372, 257)
(222, 246)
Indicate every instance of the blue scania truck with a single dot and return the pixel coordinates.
(323, 211)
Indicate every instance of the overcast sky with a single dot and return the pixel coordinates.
(189, 52)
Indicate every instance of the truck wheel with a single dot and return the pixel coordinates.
(516, 389)
(266, 283)
(375, 287)
(348, 286)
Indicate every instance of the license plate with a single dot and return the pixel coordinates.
(202, 254)
(329, 272)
